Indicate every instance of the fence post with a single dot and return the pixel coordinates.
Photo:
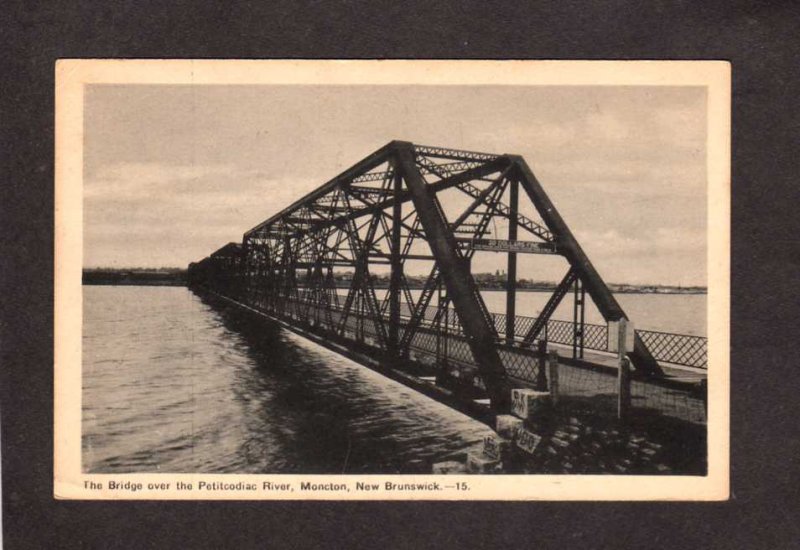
(624, 373)
(552, 364)
(624, 404)
(541, 375)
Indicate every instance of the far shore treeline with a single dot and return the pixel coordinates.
(175, 276)
(162, 276)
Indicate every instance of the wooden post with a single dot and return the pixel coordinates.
(624, 373)
(541, 375)
(552, 365)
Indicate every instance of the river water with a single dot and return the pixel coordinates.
(172, 385)
(678, 313)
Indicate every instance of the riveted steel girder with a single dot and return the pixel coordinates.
(459, 282)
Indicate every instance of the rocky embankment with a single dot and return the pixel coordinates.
(537, 439)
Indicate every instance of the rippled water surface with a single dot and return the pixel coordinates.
(172, 385)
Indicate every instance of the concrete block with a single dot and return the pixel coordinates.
(481, 464)
(527, 441)
(496, 447)
(526, 403)
(449, 467)
(507, 425)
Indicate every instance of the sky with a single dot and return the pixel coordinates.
(171, 173)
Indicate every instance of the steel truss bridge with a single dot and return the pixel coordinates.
(338, 262)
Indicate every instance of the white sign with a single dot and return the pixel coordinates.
(522, 247)
(527, 441)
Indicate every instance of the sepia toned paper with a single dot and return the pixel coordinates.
(384, 101)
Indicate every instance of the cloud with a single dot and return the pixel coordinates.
(138, 206)
(606, 126)
(663, 240)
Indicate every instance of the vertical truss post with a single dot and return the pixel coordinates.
(282, 291)
(446, 330)
(396, 276)
(577, 320)
(511, 278)
(458, 280)
(438, 328)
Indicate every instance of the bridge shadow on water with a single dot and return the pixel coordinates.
(310, 410)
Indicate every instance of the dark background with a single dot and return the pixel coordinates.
(760, 38)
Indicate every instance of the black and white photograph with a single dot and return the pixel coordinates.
(392, 280)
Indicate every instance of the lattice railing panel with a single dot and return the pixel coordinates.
(681, 349)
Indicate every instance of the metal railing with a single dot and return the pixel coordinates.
(439, 342)
(666, 347)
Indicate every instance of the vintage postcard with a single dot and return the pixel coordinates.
(392, 280)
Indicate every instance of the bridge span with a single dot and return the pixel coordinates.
(318, 264)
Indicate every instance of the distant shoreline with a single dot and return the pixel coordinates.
(178, 278)
(631, 290)
(134, 277)
(134, 283)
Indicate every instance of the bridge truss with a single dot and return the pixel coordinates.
(320, 263)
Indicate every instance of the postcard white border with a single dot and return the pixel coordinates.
(73, 75)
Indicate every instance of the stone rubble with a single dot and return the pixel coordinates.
(539, 439)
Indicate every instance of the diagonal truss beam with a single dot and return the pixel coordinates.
(458, 280)
(550, 307)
